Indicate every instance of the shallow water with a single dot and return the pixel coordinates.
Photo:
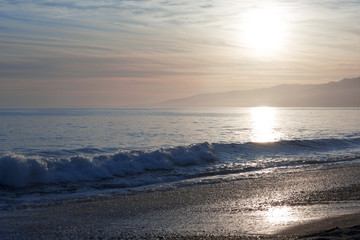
(244, 208)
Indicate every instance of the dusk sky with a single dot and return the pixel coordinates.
(122, 53)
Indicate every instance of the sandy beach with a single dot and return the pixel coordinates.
(336, 227)
(311, 204)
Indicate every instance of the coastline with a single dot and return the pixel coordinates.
(277, 206)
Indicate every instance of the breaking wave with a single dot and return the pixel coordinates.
(18, 170)
(168, 164)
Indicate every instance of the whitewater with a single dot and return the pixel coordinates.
(49, 154)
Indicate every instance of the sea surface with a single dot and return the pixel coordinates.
(50, 154)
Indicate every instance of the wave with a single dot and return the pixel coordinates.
(17, 170)
(301, 145)
(167, 164)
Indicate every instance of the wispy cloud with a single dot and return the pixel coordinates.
(185, 46)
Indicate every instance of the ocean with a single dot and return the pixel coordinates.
(52, 154)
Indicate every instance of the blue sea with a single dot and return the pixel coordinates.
(50, 154)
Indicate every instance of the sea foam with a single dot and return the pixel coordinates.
(17, 170)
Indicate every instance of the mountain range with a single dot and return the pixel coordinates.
(344, 93)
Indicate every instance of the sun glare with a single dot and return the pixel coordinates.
(280, 215)
(264, 122)
(263, 30)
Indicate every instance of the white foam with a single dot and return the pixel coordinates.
(18, 170)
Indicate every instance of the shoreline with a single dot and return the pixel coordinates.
(278, 206)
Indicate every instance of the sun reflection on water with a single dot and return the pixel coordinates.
(263, 123)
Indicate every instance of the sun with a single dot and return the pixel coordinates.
(263, 30)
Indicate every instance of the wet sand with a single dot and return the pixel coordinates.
(287, 206)
(337, 227)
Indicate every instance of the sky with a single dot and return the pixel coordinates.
(117, 53)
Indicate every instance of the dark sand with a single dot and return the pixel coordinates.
(337, 227)
(312, 205)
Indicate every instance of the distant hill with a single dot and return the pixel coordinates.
(344, 93)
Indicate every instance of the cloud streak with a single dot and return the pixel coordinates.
(187, 47)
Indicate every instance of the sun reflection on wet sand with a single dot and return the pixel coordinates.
(280, 215)
(264, 123)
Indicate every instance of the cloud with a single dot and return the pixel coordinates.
(196, 42)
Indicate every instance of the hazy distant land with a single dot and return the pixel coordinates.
(344, 93)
